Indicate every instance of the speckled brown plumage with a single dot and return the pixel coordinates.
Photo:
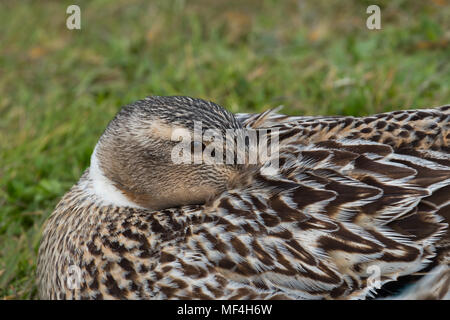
(350, 193)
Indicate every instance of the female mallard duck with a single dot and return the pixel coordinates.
(353, 204)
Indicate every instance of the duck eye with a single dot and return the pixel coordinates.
(197, 146)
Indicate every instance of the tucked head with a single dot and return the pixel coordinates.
(135, 154)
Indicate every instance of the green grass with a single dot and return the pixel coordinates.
(59, 88)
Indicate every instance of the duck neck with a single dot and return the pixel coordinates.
(103, 189)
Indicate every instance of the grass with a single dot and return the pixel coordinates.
(59, 88)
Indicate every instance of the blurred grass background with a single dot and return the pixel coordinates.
(59, 88)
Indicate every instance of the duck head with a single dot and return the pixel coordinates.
(143, 159)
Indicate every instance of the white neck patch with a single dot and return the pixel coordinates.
(104, 189)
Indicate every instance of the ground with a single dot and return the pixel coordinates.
(59, 87)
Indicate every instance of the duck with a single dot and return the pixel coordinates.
(342, 207)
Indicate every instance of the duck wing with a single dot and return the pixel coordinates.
(404, 155)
